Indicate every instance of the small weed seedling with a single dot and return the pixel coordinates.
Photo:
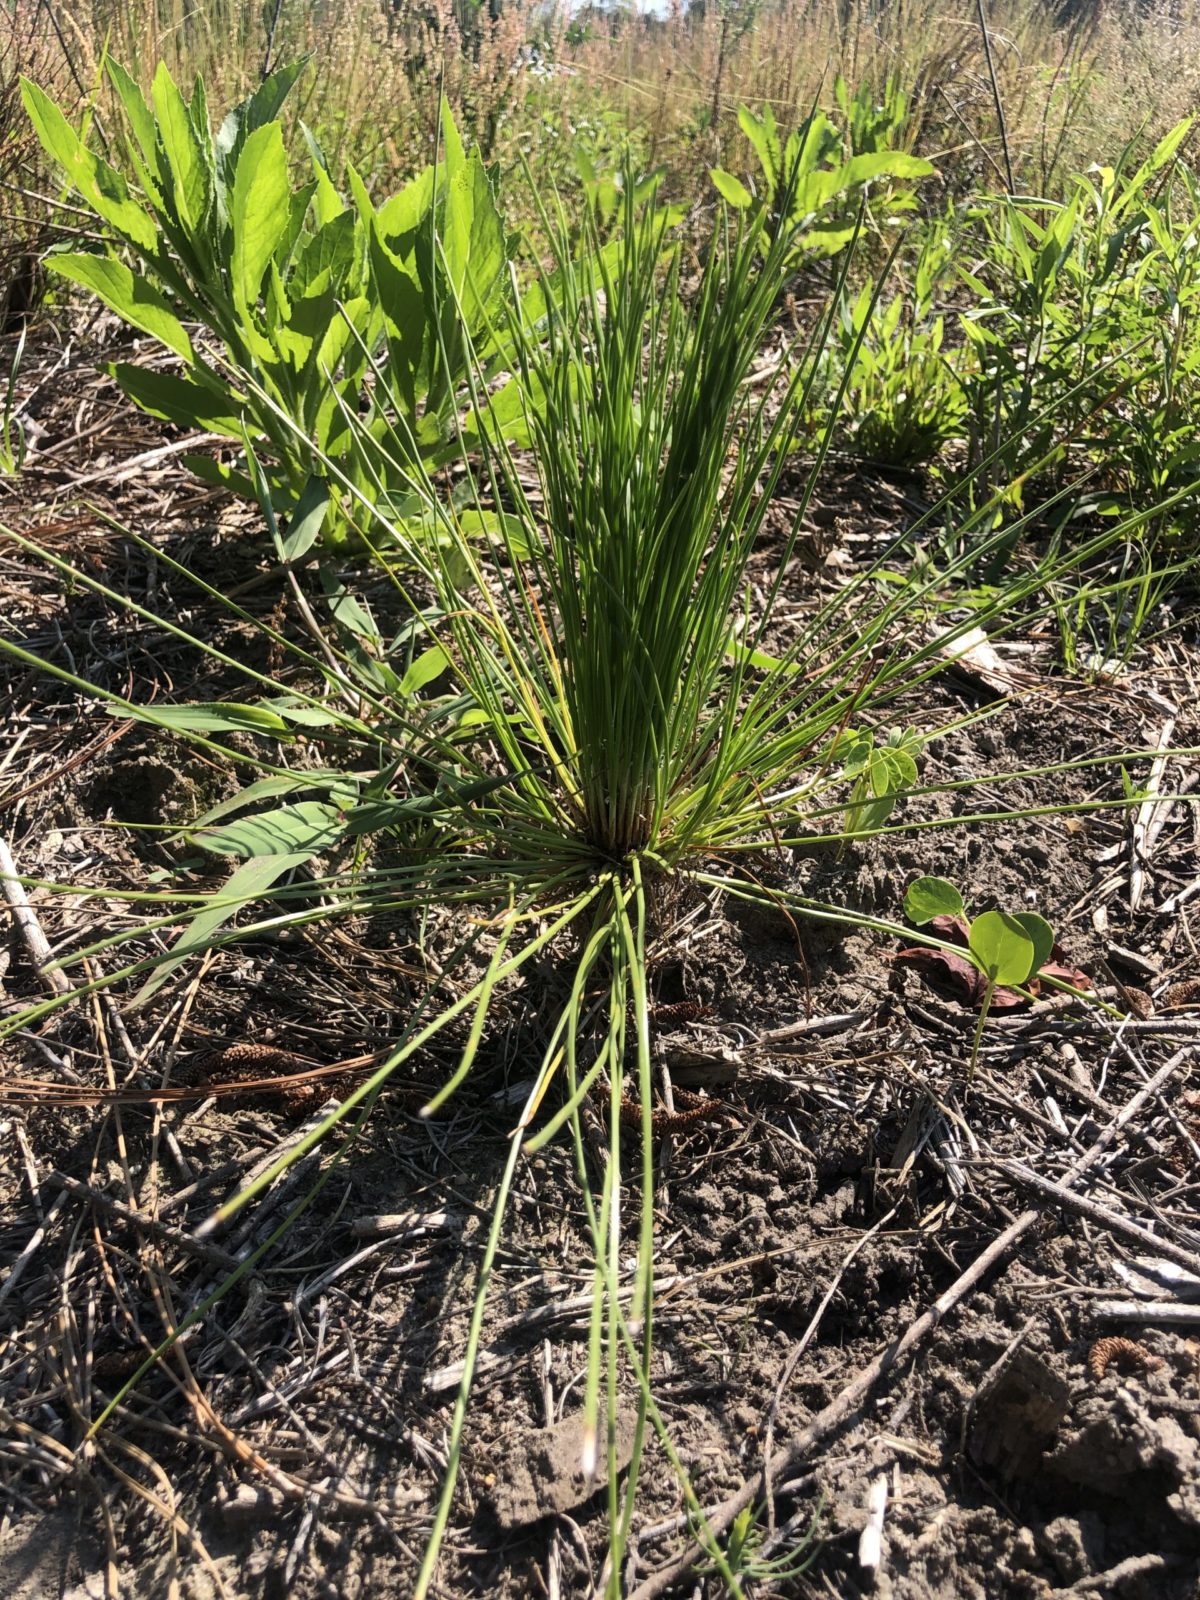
(881, 773)
(1008, 948)
(747, 1558)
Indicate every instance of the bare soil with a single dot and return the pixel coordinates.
(839, 1177)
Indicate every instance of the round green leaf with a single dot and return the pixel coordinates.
(1002, 947)
(932, 897)
(1042, 935)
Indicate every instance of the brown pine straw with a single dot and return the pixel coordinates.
(17, 1091)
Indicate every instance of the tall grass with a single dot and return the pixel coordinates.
(547, 81)
(31, 44)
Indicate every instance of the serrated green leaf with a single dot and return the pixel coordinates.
(259, 108)
(731, 189)
(102, 188)
(190, 185)
(141, 118)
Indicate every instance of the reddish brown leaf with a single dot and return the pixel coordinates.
(959, 978)
(954, 974)
(953, 929)
(1056, 967)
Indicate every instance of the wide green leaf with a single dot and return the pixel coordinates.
(307, 826)
(763, 134)
(304, 527)
(129, 294)
(180, 400)
(884, 164)
(141, 118)
(497, 525)
(260, 210)
(1002, 947)
(191, 184)
(215, 716)
(927, 898)
(323, 260)
(247, 884)
(103, 188)
(731, 189)
(1041, 934)
(430, 664)
(59, 139)
(260, 789)
(258, 109)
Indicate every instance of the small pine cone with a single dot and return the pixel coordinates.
(1140, 1004)
(237, 1062)
(1124, 1352)
(1182, 995)
(682, 1011)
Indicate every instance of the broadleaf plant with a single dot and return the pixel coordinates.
(809, 186)
(310, 307)
(1009, 948)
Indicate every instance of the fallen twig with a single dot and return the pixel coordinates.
(1102, 1215)
(1109, 1582)
(1152, 813)
(29, 927)
(212, 1254)
(119, 472)
(1176, 1311)
(30, 1250)
(870, 1543)
(390, 1223)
